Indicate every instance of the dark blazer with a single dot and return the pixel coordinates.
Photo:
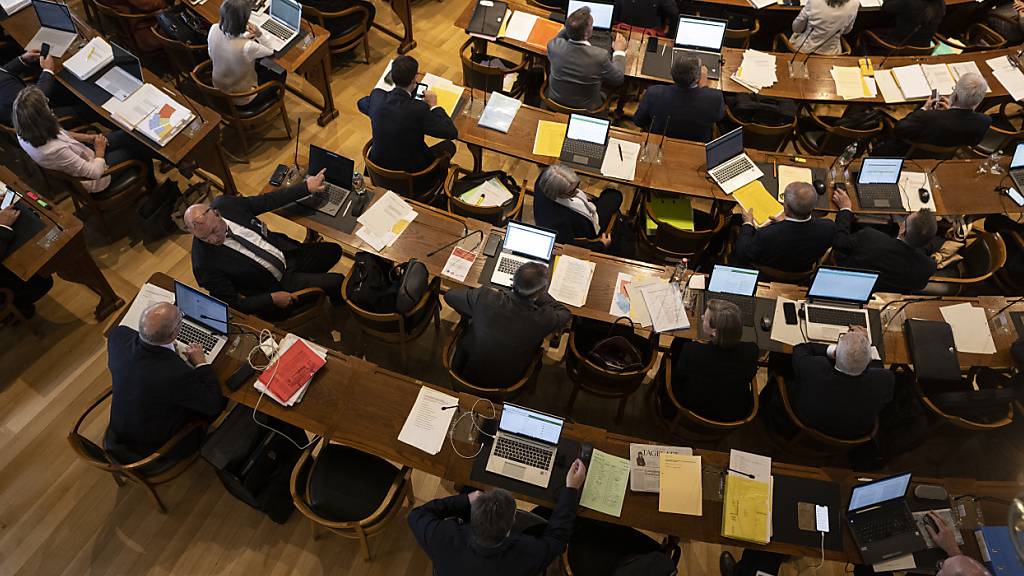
(155, 392)
(659, 14)
(902, 268)
(714, 381)
(11, 83)
(788, 246)
(692, 112)
(441, 527)
(912, 22)
(578, 70)
(231, 276)
(832, 402)
(952, 127)
(399, 124)
(503, 332)
(568, 224)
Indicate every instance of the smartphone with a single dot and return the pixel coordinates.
(44, 50)
(10, 197)
(491, 248)
(420, 89)
(1015, 196)
(279, 174)
(652, 43)
(789, 309)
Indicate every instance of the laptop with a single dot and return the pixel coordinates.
(703, 38)
(279, 25)
(878, 183)
(1017, 167)
(736, 285)
(602, 14)
(586, 139)
(125, 77)
(728, 165)
(204, 319)
(56, 27)
(525, 445)
(836, 301)
(523, 243)
(880, 520)
(337, 180)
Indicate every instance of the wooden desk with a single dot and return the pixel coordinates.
(58, 248)
(312, 62)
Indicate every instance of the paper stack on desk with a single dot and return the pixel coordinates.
(645, 465)
(427, 424)
(912, 81)
(499, 112)
(747, 504)
(681, 484)
(939, 77)
(958, 69)
(570, 280)
(605, 487)
(851, 84)
(756, 71)
(1009, 75)
(292, 369)
(664, 303)
(971, 332)
(90, 58)
(620, 159)
(12, 6)
(385, 221)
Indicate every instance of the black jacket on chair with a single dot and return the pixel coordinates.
(691, 112)
(155, 392)
(952, 127)
(788, 245)
(714, 381)
(11, 83)
(399, 124)
(902, 268)
(453, 550)
(566, 223)
(911, 22)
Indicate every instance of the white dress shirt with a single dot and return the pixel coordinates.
(258, 240)
(234, 62)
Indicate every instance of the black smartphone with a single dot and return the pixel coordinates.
(491, 248)
(789, 309)
(421, 88)
(279, 174)
(652, 43)
(44, 50)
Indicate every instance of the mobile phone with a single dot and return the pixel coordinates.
(652, 43)
(279, 174)
(421, 88)
(10, 197)
(44, 50)
(935, 93)
(1015, 196)
(789, 309)
(491, 248)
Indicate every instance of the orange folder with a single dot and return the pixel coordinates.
(542, 33)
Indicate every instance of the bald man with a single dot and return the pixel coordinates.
(256, 271)
(792, 242)
(155, 391)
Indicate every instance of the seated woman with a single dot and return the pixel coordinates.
(713, 378)
(234, 53)
(54, 148)
(559, 204)
(820, 25)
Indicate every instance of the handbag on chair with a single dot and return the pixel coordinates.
(615, 353)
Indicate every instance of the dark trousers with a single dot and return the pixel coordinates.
(122, 146)
(754, 560)
(307, 267)
(26, 293)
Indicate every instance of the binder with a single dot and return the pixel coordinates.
(933, 353)
(488, 16)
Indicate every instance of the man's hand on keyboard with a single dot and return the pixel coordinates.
(195, 354)
(254, 31)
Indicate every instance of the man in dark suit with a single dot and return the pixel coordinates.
(657, 15)
(26, 292)
(255, 271)
(400, 122)
(687, 109)
(504, 328)
(155, 392)
(11, 83)
(792, 243)
(578, 69)
(902, 263)
(487, 545)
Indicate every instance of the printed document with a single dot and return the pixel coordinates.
(427, 424)
(939, 78)
(645, 465)
(519, 26)
(148, 295)
(887, 85)
(790, 174)
(971, 332)
(605, 488)
(549, 138)
(385, 220)
(570, 281)
(912, 81)
(682, 491)
(620, 159)
(665, 305)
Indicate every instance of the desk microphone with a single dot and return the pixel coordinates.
(807, 55)
(456, 241)
(799, 69)
(900, 45)
(296, 173)
(810, 28)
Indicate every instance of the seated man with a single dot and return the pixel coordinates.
(504, 328)
(238, 260)
(578, 69)
(942, 122)
(487, 545)
(155, 392)
(11, 83)
(26, 292)
(687, 109)
(793, 243)
(902, 263)
(657, 16)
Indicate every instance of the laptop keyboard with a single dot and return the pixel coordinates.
(879, 195)
(583, 148)
(189, 334)
(277, 29)
(731, 169)
(882, 527)
(528, 454)
(509, 265)
(836, 316)
(745, 304)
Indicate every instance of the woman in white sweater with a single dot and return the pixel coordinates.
(233, 51)
(820, 24)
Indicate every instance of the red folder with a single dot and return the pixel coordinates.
(288, 373)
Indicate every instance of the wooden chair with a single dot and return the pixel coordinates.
(769, 274)
(1005, 131)
(242, 118)
(819, 137)
(762, 136)
(740, 37)
(314, 306)
(396, 328)
(423, 186)
(486, 78)
(359, 18)
(128, 184)
(1009, 283)
(122, 26)
(869, 43)
(551, 5)
(815, 442)
(148, 472)
(594, 542)
(924, 150)
(694, 426)
(494, 215)
(349, 492)
(942, 418)
(670, 244)
(550, 104)
(981, 260)
(781, 43)
(183, 57)
(976, 38)
(495, 394)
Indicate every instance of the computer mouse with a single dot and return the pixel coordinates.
(930, 522)
(586, 451)
(840, 186)
(766, 323)
(819, 187)
(924, 194)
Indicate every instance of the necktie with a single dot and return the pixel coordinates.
(274, 261)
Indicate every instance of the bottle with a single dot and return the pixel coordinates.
(358, 186)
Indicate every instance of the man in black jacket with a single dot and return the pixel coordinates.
(504, 328)
(487, 545)
(26, 292)
(255, 271)
(792, 243)
(688, 109)
(155, 392)
(11, 83)
(902, 263)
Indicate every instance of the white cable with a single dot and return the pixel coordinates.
(266, 338)
(451, 435)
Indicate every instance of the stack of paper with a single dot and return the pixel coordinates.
(664, 303)
(620, 159)
(681, 483)
(605, 487)
(939, 78)
(912, 81)
(385, 221)
(790, 174)
(645, 465)
(12, 6)
(549, 138)
(756, 71)
(427, 423)
(570, 280)
(499, 112)
(131, 111)
(518, 27)
(491, 193)
(971, 332)
(747, 506)
(637, 307)
(851, 84)
(266, 380)
(958, 69)
(887, 86)
(90, 58)
(1009, 75)
(165, 121)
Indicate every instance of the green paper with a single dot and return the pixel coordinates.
(605, 488)
(676, 211)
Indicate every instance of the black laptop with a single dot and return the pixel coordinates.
(878, 183)
(880, 520)
(337, 180)
(585, 141)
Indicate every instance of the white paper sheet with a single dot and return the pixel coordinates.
(891, 92)
(971, 332)
(756, 465)
(939, 78)
(870, 3)
(849, 82)
(570, 282)
(905, 562)
(912, 81)
(910, 183)
(620, 159)
(637, 306)
(148, 295)
(427, 424)
(665, 305)
(519, 26)
(385, 221)
(958, 69)
(1012, 80)
(786, 333)
(758, 4)
(90, 58)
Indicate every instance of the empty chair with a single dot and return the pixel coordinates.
(824, 136)
(669, 243)
(349, 28)
(975, 38)
(763, 136)
(870, 43)
(487, 77)
(182, 57)
(1005, 131)
(981, 260)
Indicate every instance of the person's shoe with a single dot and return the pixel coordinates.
(727, 564)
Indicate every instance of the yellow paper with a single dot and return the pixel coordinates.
(790, 174)
(755, 197)
(447, 98)
(681, 490)
(550, 136)
(605, 487)
(745, 510)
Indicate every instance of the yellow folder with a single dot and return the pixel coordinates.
(746, 510)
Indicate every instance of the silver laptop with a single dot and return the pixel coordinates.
(836, 301)
(525, 446)
(703, 38)
(728, 165)
(204, 319)
(602, 13)
(279, 25)
(125, 77)
(56, 27)
(523, 243)
(1017, 167)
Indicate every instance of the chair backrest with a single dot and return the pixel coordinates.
(393, 326)
(94, 454)
(740, 37)
(976, 38)
(323, 19)
(121, 25)
(665, 374)
(781, 43)
(422, 186)
(481, 77)
(769, 274)
(596, 379)
(550, 104)
(552, 5)
(817, 435)
(761, 136)
(494, 215)
(868, 40)
(481, 390)
(670, 244)
(183, 57)
(837, 138)
(983, 257)
(924, 150)
(963, 422)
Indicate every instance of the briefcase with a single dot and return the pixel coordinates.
(933, 353)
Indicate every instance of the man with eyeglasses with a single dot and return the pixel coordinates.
(237, 259)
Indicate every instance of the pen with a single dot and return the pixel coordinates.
(751, 476)
(620, 152)
(775, 168)
(456, 406)
(91, 51)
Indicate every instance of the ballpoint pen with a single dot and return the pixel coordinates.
(620, 152)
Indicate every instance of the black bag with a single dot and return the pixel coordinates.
(369, 285)
(179, 23)
(616, 353)
(865, 119)
(412, 284)
(156, 210)
(763, 109)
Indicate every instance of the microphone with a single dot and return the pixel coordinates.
(456, 241)
(296, 173)
(933, 180)
(664, 130)
(799, 69)
(807, 55)
(900, 45)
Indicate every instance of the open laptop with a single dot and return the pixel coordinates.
(125, 77)
(728, 165)
(880, 520)
(279, 25)
(602, 14)
(1017, 167)
(836, 301)
(878, 183)
(526, 445)
(523, 243)
(736, 285)
(204, 319)
(703, 38)
(586, 139)
(56, 27)
(337, 180)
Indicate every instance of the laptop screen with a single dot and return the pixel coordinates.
(1018, 157)
(730, 280)
(525, 422)
(287, 11)
(200, 308)
(54, 15)
(880, 171)
(587, 128)
(339, 168)
(529, 241)
(841, 284)
(700, 33)
(127, 61)
(879, 491)
(724, 148)
(601, 12)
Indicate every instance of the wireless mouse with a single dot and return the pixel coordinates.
(924, 194)
(819, 187)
